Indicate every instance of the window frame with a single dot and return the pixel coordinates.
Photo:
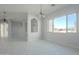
(53, 24)
(76, 12)
(76, 22)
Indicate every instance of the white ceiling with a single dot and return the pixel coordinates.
(30, 8)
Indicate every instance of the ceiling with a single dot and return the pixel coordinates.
(30, 8)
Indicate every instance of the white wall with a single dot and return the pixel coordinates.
(18, 36)
(17, 32)
(68, 39)
(16, 21)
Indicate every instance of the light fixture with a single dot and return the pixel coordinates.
(4, 17)
(41, 12)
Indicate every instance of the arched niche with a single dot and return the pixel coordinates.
(34, 25)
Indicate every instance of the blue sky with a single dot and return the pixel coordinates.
(71, 20)
(60, 22)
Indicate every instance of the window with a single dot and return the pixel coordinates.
(4, 30)
(50, 25)
(63, 24)
(72, 22)
(60, 24)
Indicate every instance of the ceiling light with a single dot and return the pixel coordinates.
(41, 12)
(4, 19)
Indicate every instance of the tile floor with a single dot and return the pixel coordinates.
(37, 47)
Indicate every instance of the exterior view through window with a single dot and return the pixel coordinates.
(60, 24)
(64, 24)
(72, 22)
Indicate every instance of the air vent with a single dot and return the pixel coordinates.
(52, 4)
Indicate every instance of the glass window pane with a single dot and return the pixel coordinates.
(72, 22)
(50, 25)
(60, 24)
(4, 30)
